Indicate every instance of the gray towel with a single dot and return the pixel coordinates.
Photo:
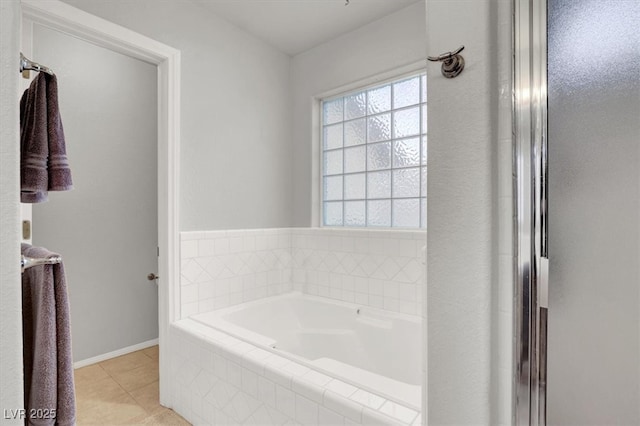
(44, 166)
(48, 363)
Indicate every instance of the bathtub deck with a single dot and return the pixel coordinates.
(219, 379)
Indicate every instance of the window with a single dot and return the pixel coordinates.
(374, 156)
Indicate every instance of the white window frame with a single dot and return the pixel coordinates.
(317, 205)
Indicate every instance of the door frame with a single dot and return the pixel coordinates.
(530, 221)
(75, 22)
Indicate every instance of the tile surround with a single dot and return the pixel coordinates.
(224, 268)
(378, 268)
(218, 379)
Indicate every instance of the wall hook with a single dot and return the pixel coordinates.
(452, 62)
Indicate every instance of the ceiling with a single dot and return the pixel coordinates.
(294, 26)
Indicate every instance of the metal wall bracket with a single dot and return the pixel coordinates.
(452, 62)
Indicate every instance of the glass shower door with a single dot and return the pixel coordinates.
(593, 356)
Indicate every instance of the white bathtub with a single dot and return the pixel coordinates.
(369, 348)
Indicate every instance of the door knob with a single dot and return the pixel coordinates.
(152, 277)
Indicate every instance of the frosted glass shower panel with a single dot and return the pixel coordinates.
(594, 212)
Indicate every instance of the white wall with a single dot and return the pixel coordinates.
(10, 290)
(235, 146)
(383, 45)
(466, 193)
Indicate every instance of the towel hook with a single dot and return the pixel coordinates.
(26, 65)
(452, 62)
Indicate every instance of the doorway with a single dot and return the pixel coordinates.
(74, 22)
(107, 227)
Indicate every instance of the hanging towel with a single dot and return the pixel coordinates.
(44, 166)
(48, 364)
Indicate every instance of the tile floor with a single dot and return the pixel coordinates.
(123, 391)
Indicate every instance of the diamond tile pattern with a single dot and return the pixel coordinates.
(348, 265)
(352, 265)
(202, 395)
(243, 266)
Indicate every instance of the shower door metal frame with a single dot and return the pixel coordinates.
(530, 221)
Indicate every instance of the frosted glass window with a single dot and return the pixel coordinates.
(379, 100)
(406, 152)
(333, 188)
(379, 128)
(354, 213)
(333, 162)
(332, 111)
(355, 106)
(374, 156)
(355, 132)
(379, 184)
(333, 136)
(355, 186)
(333, 214)
(379, 213)
(406, 213)
(354, 159)
(379, 156)
(406, 183)
(406, 122)
(423, 122)
(406, 93)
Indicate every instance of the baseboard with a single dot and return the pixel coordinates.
(114, 354)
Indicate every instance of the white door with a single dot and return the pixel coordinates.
(106, 228)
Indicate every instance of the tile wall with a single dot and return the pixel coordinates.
(378, 268)
(224, 268)
(218, 379)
